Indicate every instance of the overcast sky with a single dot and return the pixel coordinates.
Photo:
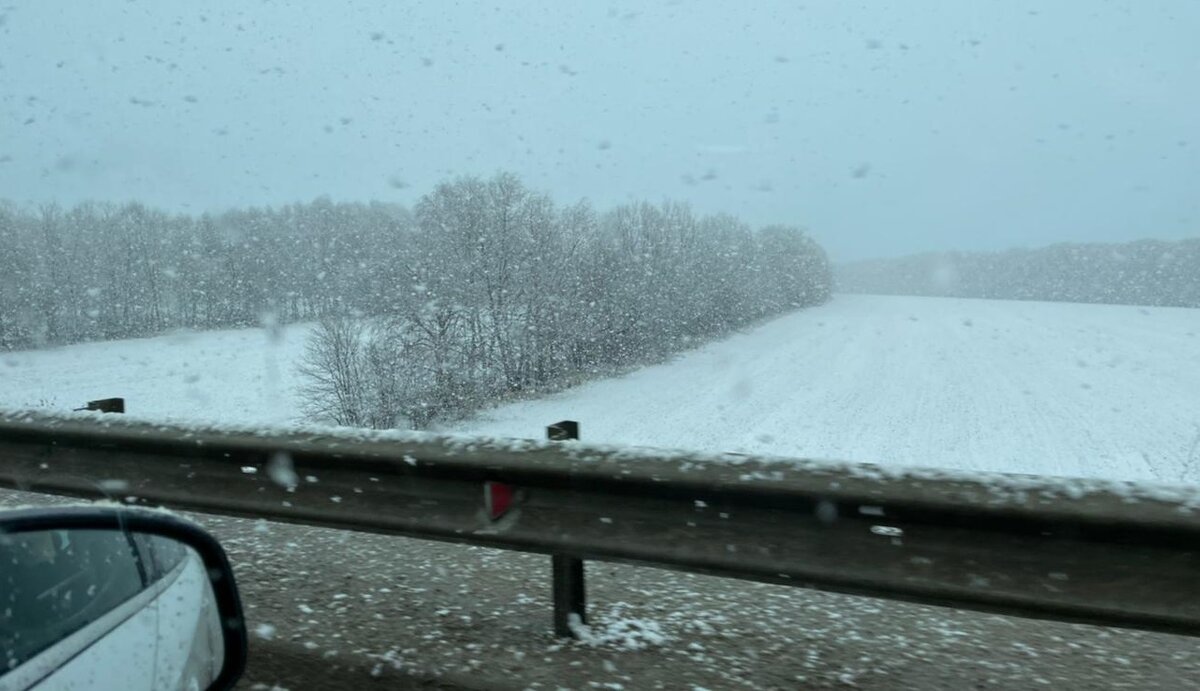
(885, 128)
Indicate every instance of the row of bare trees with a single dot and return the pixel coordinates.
(484, 291)
(508, 293)
(105, 271)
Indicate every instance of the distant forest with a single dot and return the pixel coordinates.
(483, 290)
(1145, 272)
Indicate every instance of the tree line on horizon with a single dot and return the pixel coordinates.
(484, 290)
(1144, 272)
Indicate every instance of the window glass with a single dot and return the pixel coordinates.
(53, 583)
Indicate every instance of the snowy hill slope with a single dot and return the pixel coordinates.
(1050, 388)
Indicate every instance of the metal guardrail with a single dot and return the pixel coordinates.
(1094, 552)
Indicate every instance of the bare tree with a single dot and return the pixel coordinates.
(335, 370)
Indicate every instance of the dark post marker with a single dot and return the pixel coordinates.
(569, 594)
(106, 405)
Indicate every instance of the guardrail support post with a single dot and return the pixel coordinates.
(570, 596)
(106, 405)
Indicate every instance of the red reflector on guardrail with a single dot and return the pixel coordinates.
(498, 498)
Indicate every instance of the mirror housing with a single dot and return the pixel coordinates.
(114, 546)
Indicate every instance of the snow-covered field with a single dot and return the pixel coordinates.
(1053, 388)
(234, 376)
(1049, 388)
(1046, 388)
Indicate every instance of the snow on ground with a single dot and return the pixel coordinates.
(1049, 388)
(1054, 388)
(233, 376)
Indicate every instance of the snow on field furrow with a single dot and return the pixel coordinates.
(1049, 388)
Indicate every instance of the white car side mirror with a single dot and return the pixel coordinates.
(115, 598)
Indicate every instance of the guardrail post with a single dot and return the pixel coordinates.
(106, 405)
(569, 594)
(570, 597)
